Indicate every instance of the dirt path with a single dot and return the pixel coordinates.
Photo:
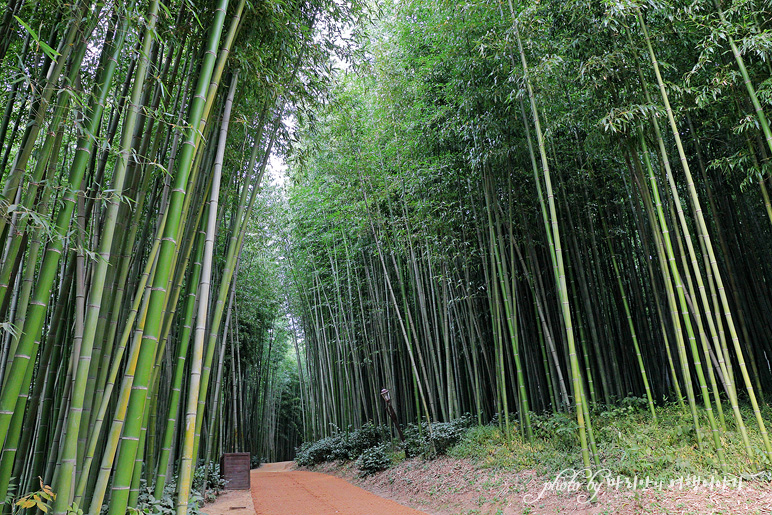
(277, 489)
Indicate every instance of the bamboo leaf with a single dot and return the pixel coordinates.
(50, 52)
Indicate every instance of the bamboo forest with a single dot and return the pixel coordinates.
(227, 225)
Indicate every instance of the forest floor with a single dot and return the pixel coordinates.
(451, 486)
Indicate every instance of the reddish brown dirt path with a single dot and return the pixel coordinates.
(279, 490)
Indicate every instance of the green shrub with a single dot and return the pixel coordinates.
(353, 444)
(559, 427)
(478, 441)
(419, 441)
(313, 453)
(364, 438)
(215, 481)
(416, 441)
(167, 504)
(373, 460)
(341, 447)
(447, 434)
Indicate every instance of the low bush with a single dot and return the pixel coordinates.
(147, 503)
(215, 482)
(416, 443)
(313, 453)
(447, 434)
(366, 437)
(341, 447)
(559, 427)
(419, 441)
(373, 460)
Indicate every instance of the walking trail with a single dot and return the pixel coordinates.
(277, 489)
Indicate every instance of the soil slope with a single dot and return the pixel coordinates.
(449, 486)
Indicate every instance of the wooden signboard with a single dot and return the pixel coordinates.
(234, 468)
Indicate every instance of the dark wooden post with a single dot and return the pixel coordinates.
(387, 398)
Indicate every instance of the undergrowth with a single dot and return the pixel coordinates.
(628, 443)
(366, 445)
(343, 446)
(420, 442)
(374, 460)
(147, 503)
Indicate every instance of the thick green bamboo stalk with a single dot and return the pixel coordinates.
(15, 430)
(179, 367)
(185, 474)
(108, 455)
(115, 282)
(121, 282)
(36, 464)
(41, 171)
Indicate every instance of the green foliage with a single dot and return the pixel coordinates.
(366, 437)
(419, 441)
(37, 500)
(207, 478)
(560, 427)
(628, 444)
(314, 453)
(147, 503)
(50, 52)
(416, 442)
(627, 406)
(341, 447)
(373, 459)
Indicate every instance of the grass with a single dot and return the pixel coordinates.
(628, 444)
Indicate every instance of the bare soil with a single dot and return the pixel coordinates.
(450, 487)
